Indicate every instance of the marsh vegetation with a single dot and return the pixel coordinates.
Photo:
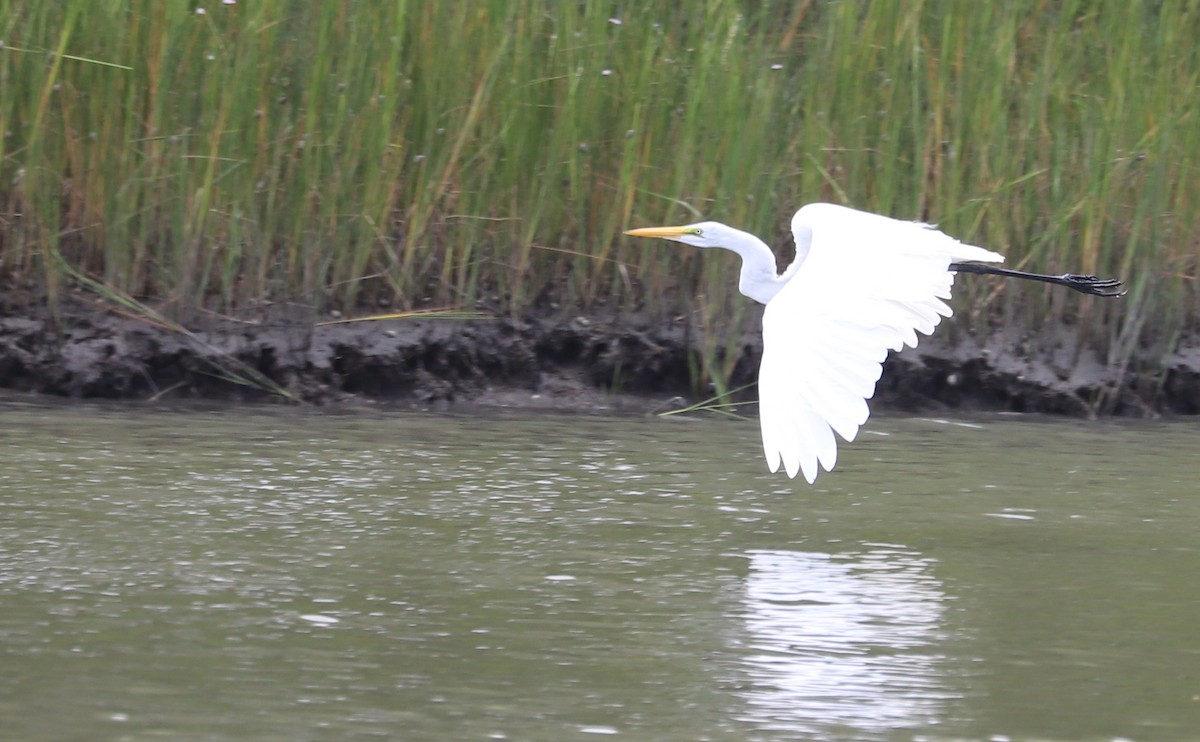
(362, 157)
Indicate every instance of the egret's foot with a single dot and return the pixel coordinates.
(1093, 285)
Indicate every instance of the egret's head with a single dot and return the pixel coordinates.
(702, 234)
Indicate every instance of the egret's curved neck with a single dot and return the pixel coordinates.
(759, 279)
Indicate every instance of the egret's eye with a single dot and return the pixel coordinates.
(696, 231)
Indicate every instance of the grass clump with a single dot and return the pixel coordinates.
(402, 155)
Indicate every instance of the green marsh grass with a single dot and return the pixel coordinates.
(360, 155)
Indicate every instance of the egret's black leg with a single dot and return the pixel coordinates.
(1110, 287)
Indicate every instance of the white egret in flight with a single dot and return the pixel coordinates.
(861, 284)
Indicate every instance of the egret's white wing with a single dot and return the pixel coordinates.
(866, 285)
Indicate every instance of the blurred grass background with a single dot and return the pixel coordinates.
(355, 155)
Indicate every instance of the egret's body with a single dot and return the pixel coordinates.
(861, 284)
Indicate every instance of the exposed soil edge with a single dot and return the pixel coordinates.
(566, 363)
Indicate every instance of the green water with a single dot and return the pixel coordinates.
(272, 573)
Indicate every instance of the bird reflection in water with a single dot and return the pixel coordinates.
(844, 642)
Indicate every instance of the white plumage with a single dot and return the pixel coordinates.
(868, 285)
(861, 285)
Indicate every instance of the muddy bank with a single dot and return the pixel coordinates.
(559, 362)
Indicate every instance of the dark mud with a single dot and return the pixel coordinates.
(555, 361)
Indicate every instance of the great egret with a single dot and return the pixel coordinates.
(861, 284)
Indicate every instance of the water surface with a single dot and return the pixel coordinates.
(283, 573)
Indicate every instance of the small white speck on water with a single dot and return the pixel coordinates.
(319, 619)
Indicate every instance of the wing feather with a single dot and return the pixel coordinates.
(866, 284)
